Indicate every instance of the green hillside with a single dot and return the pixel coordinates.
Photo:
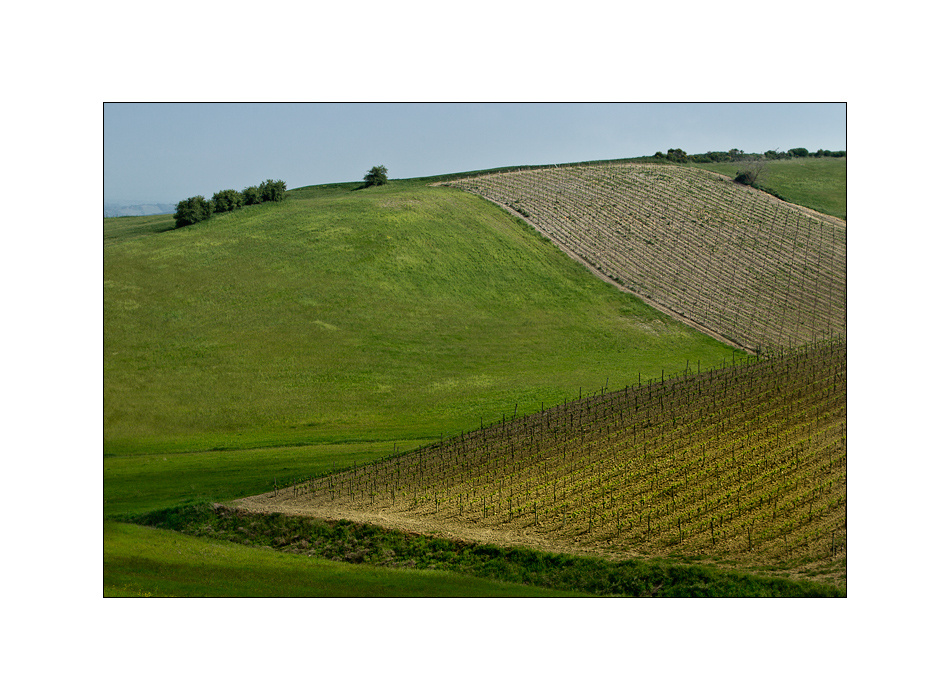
(816, 183)
(145, 562)
(298, 338)
(346, 317)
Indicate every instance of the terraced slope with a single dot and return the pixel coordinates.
(743, 461)
(732, 261)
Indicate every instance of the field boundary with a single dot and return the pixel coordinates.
(364, 544)
(606, 278)
(739, 265)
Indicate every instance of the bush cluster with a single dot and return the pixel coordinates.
(194, 209)
(678, 155)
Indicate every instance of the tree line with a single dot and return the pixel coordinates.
(734, 155)
(194, 209)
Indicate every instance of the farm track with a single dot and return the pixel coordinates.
(744, 462)
(733, 262)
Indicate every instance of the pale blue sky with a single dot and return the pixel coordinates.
(167, 152)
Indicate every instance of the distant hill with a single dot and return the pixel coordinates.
(112, 209)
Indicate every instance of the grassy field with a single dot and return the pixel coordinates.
(293, 340)
(816, 183)
(135, 484)
(350, 322)
(145, 562)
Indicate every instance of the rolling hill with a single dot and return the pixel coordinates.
(746, 461)
(734, 262)
(281, 344)
(341, 321)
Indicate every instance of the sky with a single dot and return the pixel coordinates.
(166, 152)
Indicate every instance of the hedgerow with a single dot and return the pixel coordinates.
(194, 209)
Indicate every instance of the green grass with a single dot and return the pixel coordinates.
(145, 562)
(344, 320)
(124, 228)
(371, 546)
(292, 339)
(138, 483)
(816, 183)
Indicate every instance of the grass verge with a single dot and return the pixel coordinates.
(145, 562)
(361, 544)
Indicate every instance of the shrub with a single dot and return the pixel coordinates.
(375, 176)
(677, 155)
(227, 200)
(252, 195)
(751, 174)
(272, 191)
(744, 178)
(192, 210)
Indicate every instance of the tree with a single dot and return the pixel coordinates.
(753, 172)
(375, 176)
(192, 210)
(252, 195)
(713, 157)
(227, 200)
(798, 152)
(677, 155)
(272, 191)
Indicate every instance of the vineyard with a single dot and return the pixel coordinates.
(730, 260)
(746, 461)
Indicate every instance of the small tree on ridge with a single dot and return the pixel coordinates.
(375, 176)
